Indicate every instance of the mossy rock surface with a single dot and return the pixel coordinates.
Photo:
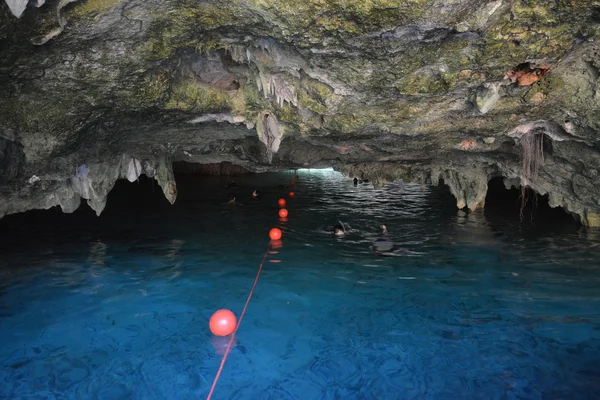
(349, 82)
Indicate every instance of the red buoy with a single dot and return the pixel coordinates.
(281, 202)
(292, 183)
(222, 323)
(291, 194)
(275, 234)
(283, 213)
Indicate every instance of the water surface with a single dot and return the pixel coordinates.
(469, 306)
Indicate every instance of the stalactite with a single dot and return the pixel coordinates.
(239, 53)
(278, 86)
(269, 133)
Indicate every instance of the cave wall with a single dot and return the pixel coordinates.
(215, 169)
(420, 90)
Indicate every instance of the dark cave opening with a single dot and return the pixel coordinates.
(443, 195)
(143, 197)
(503, 205)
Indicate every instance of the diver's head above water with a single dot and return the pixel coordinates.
(339, 229)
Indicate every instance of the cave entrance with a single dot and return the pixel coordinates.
(503, 205)
(444, 197)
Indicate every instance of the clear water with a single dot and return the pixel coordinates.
(469, 306)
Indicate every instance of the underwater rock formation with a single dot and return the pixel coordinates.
(420, 90)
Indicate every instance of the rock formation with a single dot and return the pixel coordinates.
(420, 90)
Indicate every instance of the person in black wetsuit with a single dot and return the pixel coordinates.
(383, 243)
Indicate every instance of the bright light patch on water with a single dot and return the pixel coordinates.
(315, 170)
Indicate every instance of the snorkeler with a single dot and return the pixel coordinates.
(231, 202)
(339, 229)
(383, 243)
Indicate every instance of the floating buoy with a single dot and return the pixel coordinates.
(275, 234)
(283, 213)
(291, 194)
(292, 183)
(281, 202)
(222, 323)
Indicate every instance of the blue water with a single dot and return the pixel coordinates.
(475, 306)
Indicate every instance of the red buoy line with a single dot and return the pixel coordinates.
(274, 234)
(212, 389)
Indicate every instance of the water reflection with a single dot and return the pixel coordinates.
(174, 254)
(98, 252)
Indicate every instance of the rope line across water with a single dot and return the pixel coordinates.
(231, 339)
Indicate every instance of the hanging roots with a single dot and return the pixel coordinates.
(532, 157)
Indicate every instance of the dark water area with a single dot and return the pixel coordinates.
(467, 306)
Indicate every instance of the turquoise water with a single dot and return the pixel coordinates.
(471, 306)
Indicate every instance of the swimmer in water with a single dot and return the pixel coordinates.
(256, 194)
(339, 229)
(232, 202)
(232, 185)
(383, 243)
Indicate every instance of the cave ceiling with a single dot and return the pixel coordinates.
(419, 90)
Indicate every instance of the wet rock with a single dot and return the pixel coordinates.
(593, 220)
(12, 158)
(468, 185)
(487, 97)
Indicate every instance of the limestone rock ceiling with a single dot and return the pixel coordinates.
(420, 90)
